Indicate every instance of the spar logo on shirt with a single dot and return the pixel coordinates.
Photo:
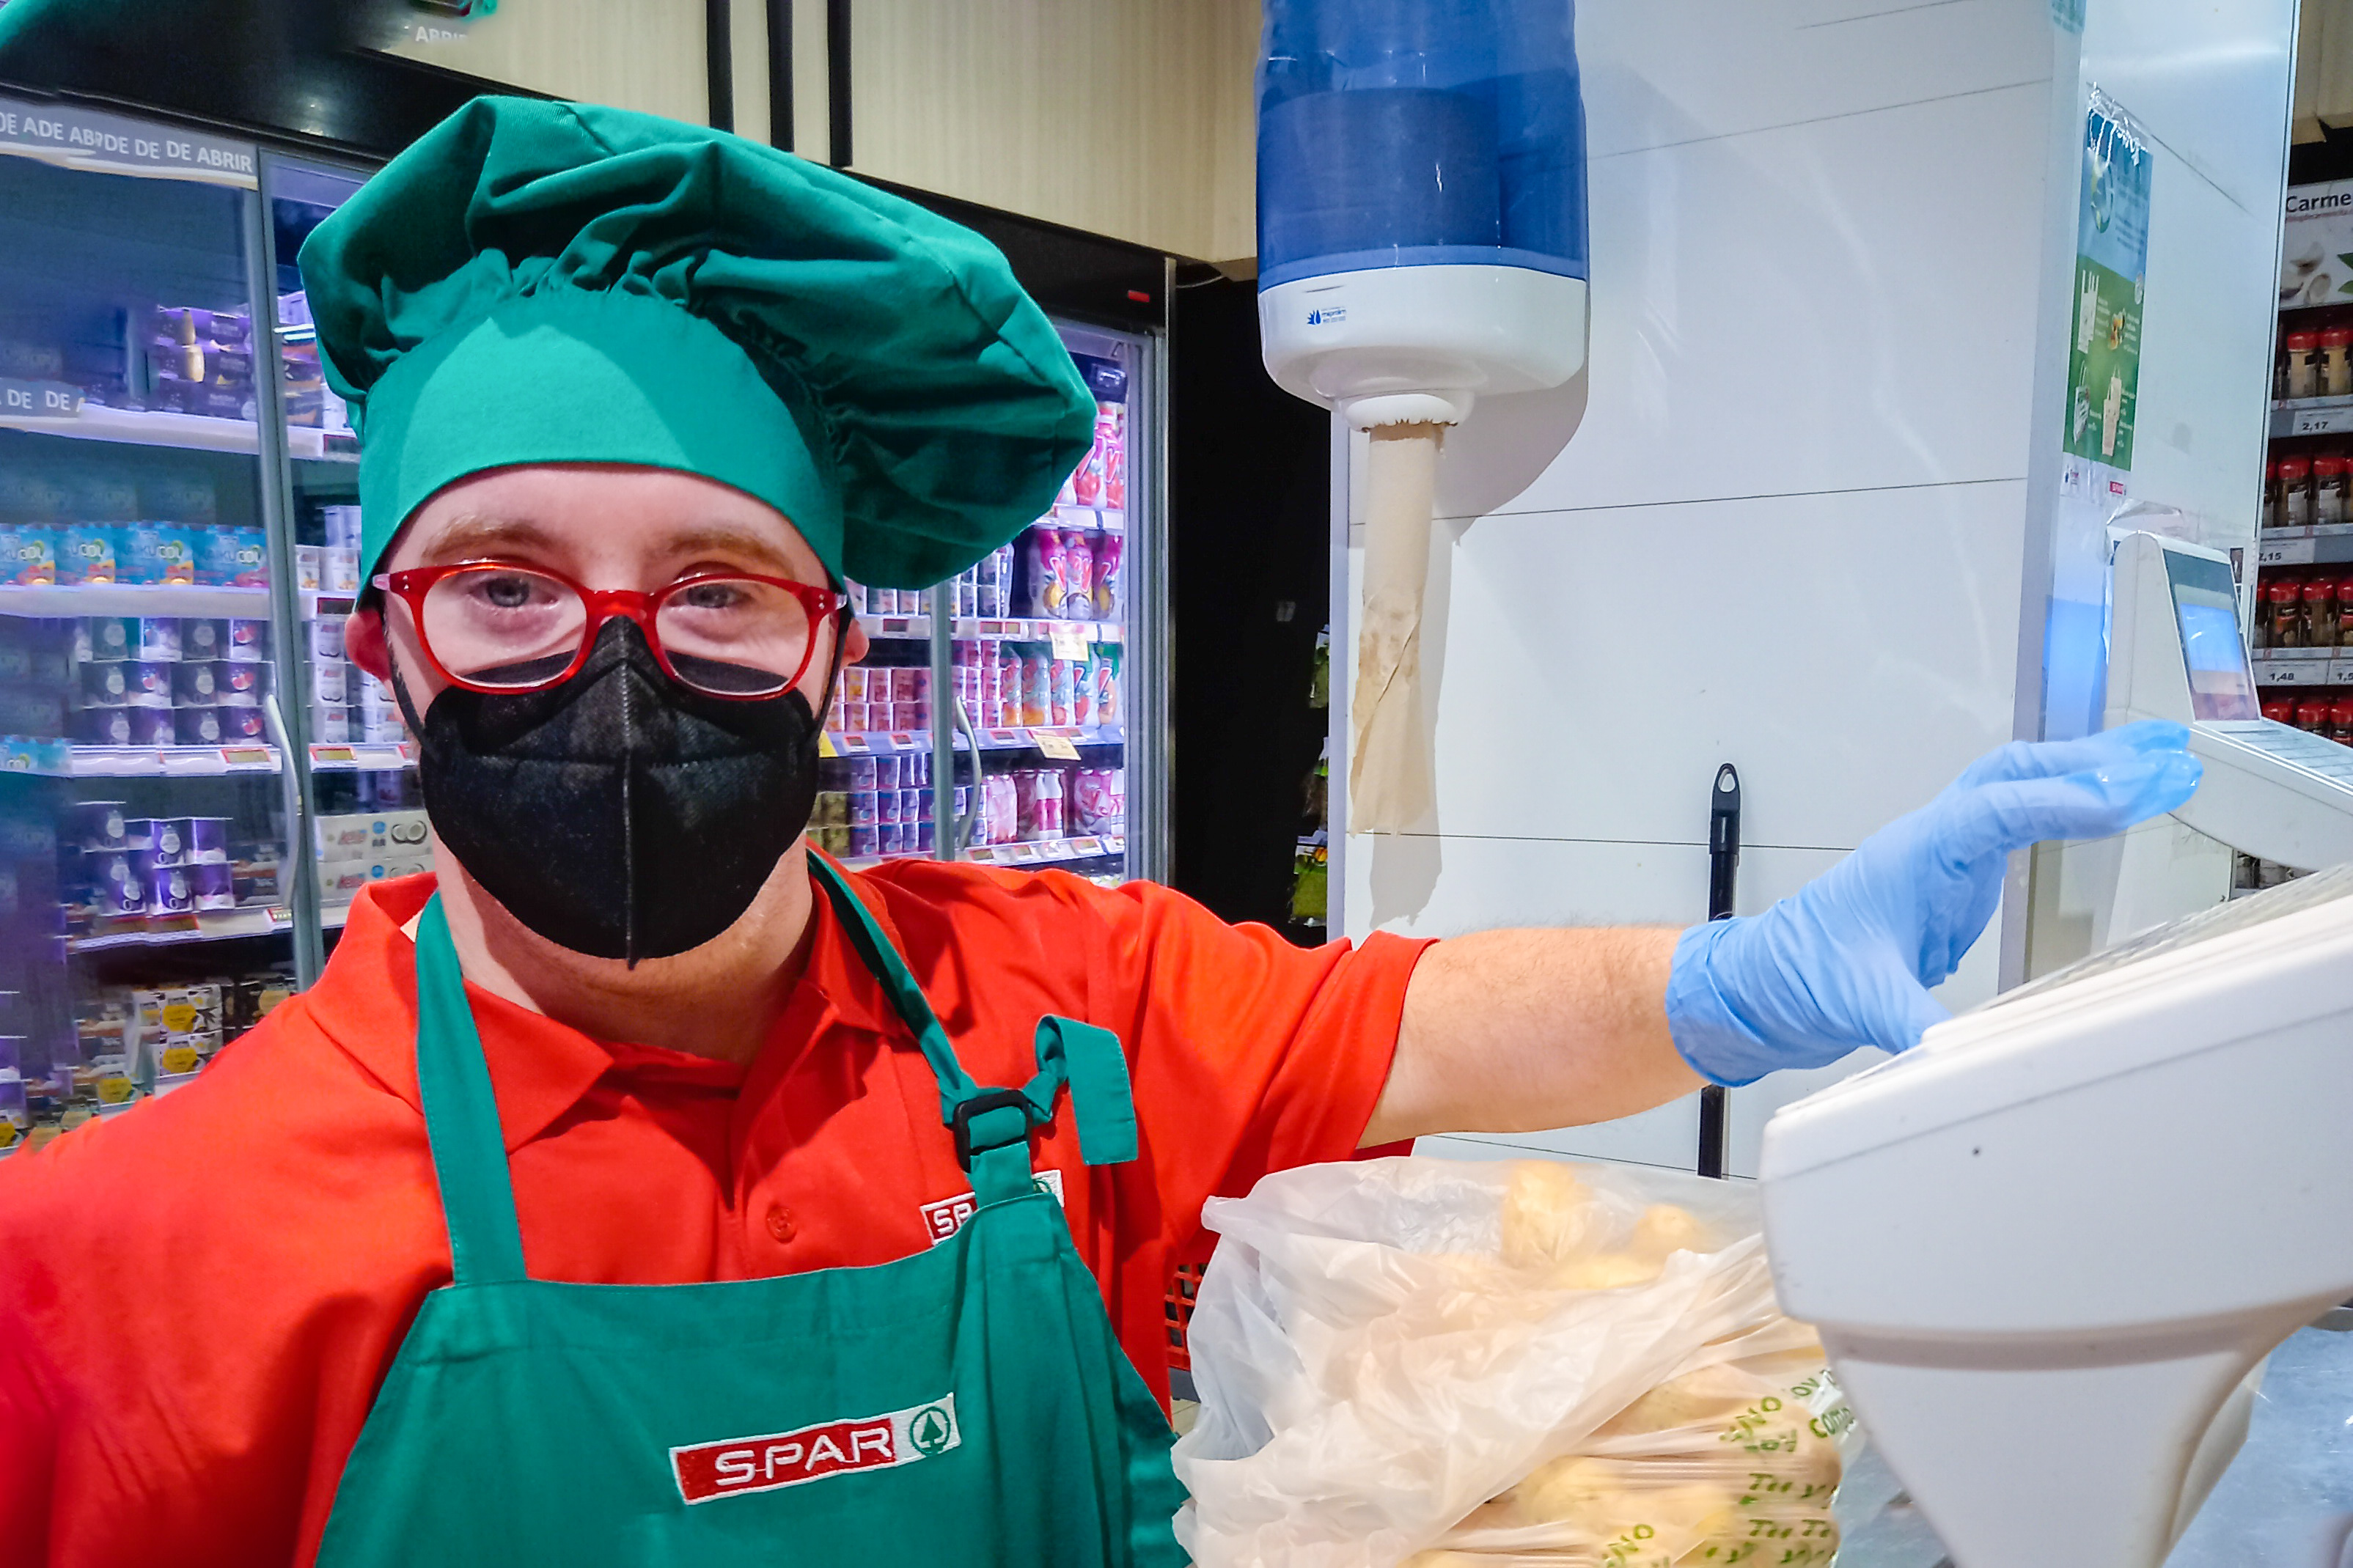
(945, 1218)
(739, 1465)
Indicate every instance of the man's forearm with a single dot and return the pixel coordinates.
(1513, 1031)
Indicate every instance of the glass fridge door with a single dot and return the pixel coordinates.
(1049, 650)
(363, 818)
(145, 914)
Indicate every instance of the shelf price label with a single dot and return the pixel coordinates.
(2321, 421)
(2293, 672)
(2284, 553)
(1069, 640)
(1057, 746)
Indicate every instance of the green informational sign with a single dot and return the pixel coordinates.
(2111, 282)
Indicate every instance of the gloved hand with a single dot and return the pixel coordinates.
(1846, 962)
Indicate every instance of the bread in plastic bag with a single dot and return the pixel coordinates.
(1530, 1364)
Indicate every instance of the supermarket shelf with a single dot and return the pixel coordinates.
(172, 761)
(132, 599)
(1043, 852)
(882, 743)
(362, 757)
(156, 428)
(2302, 667)
(209, 925)
(894, 628)
(1048, 851)
(2326, 545)
(2311, 417)
(210, 762)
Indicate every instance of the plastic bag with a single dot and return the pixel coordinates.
(1491, 1365)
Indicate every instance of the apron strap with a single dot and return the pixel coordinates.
(461, 1116)
(992, 1126)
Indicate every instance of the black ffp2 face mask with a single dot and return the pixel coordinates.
(621, 813)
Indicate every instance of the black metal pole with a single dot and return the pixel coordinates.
(1723, 879)
(780, 74)
(837, 82)
(719, 62)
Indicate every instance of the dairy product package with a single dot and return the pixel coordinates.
(1515, 1364)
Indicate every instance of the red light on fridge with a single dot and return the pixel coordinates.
(1139, 296)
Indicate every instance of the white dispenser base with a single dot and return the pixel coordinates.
(1397, 345)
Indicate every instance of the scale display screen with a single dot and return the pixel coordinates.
(2206, 605)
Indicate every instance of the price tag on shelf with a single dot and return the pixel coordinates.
(2321, 421)
(1007, 738)
(855, 746)
(1116, 843)
(249, 759)
(2284, 551)
(1027, 852)
(2277, 671)
(1070, 638)
(333, 757)
(1086, 846)
(1055, 745)
(984, 853)
(906, 741)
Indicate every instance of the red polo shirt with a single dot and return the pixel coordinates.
(199, 1298)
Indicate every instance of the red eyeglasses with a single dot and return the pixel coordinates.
(490, 625)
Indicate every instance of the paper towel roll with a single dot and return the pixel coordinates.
(1390, 783)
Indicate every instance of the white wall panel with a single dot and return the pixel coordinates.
(1849, 652)
(1842, 304)
(1672, 71)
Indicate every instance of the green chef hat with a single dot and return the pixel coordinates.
(536, 282)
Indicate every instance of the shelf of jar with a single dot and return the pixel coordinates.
(62, 600)
(1047, 738)
(189, 432)
(898, 628)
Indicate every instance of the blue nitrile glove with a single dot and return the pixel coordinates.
(1846, 961)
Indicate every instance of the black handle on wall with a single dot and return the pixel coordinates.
(1723, 880)
(719, 62)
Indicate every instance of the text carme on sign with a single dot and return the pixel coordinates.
(735, 1467)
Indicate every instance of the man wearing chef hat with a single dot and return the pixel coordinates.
(641, 1187)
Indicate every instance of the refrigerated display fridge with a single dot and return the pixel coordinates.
(195, 781)
(1051, 650)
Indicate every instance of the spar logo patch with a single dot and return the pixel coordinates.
(945, 1218)
(763, 1463)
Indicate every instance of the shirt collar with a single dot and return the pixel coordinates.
(365, 1002)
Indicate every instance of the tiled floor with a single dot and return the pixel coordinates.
(2285, 1502)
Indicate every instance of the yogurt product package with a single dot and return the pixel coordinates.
(194, 724)
(196, 681)
(28, 554)
(248, 641)
(86, 553)
(98, 638)
(154, 553)
(169, 890)
(146, 682)
(159, 637)
(242, 723)
(208, 839)
(213, 885)
(232, 557)
(97, 824)
(202, 638)
(106, 685)
(102, 726)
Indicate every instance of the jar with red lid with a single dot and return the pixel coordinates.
(2331, 500)
(2296, 492)
(2285, 602)
(2336, 378)
(2312, 714)
(2341, 721)
(2270, 502)
(2320, 612)
(2279, 711)
(2301, 373)
(2345, 612)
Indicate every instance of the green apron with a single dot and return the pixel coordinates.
(970, 1404)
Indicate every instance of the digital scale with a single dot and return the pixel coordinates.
(2049, 1247)
(2271, 790)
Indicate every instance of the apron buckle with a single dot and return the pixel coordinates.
(981, 1104)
